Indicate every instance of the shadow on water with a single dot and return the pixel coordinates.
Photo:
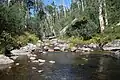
(68, 66)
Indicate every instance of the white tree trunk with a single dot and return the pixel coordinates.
(78, 4)
(82, 4)
(8, 2)
(101, 18)
(64, 10)
(106, 19)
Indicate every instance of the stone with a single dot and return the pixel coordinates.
(35, 61)
(32, 58)
(46, 48)
(41, 60)
(44, 52)
(92, 45)
(34, 55)
(9, 67)
(51, 50)
(78, 50)
(17, 64)
(46, 44)
(86, 49)
(40, 71)
(14, 57)
(114, 45)
(17, 52)
(52, 62)
(56, 49)
(40, 64)
(73, 49)
(34, 68)
(5, 62)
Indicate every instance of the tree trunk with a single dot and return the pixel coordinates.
(78, 4)
(64, 10)
(8, 2)
(106, 19)
(82, 4)
(101, 17)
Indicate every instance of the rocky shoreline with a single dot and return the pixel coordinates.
(55, 45)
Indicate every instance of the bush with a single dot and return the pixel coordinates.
(27, 38)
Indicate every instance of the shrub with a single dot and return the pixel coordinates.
(27, 38)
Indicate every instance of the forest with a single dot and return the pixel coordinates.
(83, 22)
(59, 39)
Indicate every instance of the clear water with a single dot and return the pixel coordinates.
(68, 66)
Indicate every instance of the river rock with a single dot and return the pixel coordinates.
(114, 45)
(29, 47)
(32, 58)
(39, 43)
(35, 61)
(19, 52)
(85, 49)
(51, 50)
(14, 57)
(40, 64)
(94, 46)
(41, 60)
(17, 64)
(73, 49)
(46, 48)
(78, 50)
(34, 68)
(5, 62)
(52, 62)
(44, 52)
(40, 71)
(56, 49)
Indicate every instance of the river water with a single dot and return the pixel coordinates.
(68, 66)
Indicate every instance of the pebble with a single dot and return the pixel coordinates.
(52, 62)
(9, 67)
(32, 58)
(34, 55)
(44, 52)
(40, 71)
(40, 64)
(35, 61)
(33, 67)
(17, 64)
(41, 60)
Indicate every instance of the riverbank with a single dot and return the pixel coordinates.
(57, 45)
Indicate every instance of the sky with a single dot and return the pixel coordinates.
(58, 2)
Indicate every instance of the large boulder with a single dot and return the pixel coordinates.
(5, 62)
(114, 45)
(29, 47)
(17, 52)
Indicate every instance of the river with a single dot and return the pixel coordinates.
(67, 66)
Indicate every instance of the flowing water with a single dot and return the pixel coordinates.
(67, 66)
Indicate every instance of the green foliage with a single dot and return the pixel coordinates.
(26, 38)
(12, 18)
(83, 28)
(16, 41)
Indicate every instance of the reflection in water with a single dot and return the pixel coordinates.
(67, 67)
